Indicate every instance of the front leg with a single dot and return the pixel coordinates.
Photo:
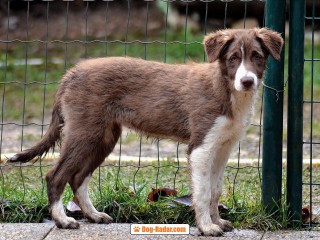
(201, 166)
(208, 162)
(218, 168)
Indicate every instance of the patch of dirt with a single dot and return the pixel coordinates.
(12, 142)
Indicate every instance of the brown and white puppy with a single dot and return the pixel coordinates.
(207, 106)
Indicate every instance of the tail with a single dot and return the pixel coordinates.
(48, 141)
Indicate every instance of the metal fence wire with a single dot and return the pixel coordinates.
(303, 114)
(39, 41)
(310, 181)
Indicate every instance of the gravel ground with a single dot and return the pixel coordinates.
(122, 231)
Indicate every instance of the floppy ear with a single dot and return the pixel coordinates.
(216, 42)
(271, 41)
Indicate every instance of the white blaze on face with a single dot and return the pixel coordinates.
(243, 72)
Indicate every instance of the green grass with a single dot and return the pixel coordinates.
(311, 86)
(309, 73)
(115, 195)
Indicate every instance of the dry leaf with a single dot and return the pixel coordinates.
(306, 216)
(73, 206)
(222, 207)
(187, 200)
(3, 201)
(161, 192)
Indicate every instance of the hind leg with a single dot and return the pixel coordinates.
(79, 182)
(61, 219)
(83, 151)
(88, 210)
(57, 179)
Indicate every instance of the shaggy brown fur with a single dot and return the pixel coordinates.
(181, 102)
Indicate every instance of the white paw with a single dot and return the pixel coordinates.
(225, 225)
(67, 223)
(211, 230)
(99, 217)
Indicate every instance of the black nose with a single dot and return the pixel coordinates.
(247, 82)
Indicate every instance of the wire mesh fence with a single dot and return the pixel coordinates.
(310, 181)
(40, 40)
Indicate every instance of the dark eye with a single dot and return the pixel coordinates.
(257, 56)
(233, 58)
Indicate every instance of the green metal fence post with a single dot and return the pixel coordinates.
(273, 114)
(295, 110)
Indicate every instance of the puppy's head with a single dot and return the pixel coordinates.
(243, 54)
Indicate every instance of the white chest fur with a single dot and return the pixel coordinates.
(229, 130)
